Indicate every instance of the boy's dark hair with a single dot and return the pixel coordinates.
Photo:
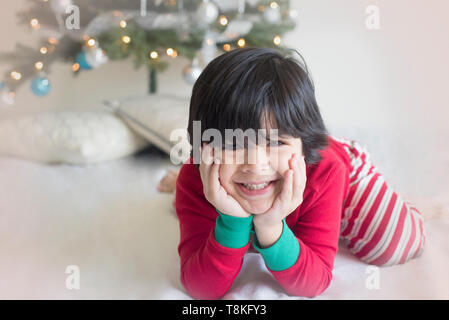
(239, 87)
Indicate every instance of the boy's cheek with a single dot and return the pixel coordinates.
(226, 156)
(232, 157)
(281, 162)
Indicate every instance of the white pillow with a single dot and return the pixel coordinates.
(155, 117)
(75, 137)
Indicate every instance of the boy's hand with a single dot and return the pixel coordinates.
(212, 188)
(290, 197)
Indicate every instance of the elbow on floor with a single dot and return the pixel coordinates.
(312, 290)
(201, 291)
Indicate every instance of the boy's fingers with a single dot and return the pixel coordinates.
(299, 175)
(206, 158)
(302, 165)
(204, 163)
(303, 176)
(206, 154)
(298, 186)
(286, 193)
(209, 170)
(291, 162)
(214, 172)
(214, 182)
(293, 165)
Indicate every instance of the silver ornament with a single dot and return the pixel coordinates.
(235, 29)
(60, 6)
(233, 5)
(272, 15)
(207, 12)
(6, 96)
(293, 13)
(192, 72)
(95, 57)
(154, 20)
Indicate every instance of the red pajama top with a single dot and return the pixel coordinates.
(208, 269)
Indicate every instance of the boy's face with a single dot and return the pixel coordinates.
(247, 180)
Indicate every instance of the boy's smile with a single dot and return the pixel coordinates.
(257, 188)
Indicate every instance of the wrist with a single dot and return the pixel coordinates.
(283, 253)
(262, 222)
(267, 235)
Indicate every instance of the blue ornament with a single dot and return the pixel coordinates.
(81, 59)
(40, 86)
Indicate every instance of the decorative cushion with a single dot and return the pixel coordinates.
(75, 137)
(161, 119)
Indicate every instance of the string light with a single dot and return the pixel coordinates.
(52, 40)
(154, 55)
(16, 75)
(172, 53)
(223, 20)
(277, 40)
(39, 65)
(91, 43)
(34, 23)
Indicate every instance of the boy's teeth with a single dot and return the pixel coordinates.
(256, 186)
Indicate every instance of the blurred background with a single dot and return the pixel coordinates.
(381, 75)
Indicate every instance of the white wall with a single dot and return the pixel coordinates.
(386, 88)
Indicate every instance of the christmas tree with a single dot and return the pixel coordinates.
(86, 34)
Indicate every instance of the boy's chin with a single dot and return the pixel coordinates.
(256, 208)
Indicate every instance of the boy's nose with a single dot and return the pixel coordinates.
(256, 159)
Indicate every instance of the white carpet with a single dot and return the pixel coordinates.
(109, 220)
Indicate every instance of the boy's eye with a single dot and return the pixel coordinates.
(271, 143)
(231, 146)
(274, 143)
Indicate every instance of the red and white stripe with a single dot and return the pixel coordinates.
(377, 225)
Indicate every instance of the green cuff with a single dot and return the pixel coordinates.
(232, 232)
(283, 253)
